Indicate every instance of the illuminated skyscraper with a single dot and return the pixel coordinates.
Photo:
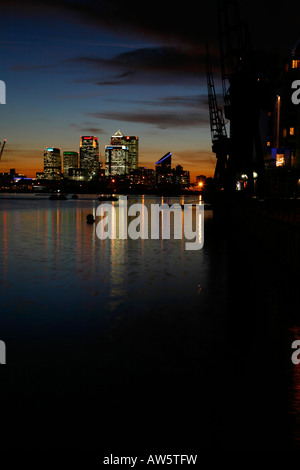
(117, 138)
(116, 160)
(132, 143)
(52, 163)
(70, 160)
(89, 154)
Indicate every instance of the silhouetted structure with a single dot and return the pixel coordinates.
(163, 169)
(246, 100)
(220, 140)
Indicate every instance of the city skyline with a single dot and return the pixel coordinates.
(66, 155)
(79, 68)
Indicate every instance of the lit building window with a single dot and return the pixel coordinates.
(284, 133)
(280, 161)
(268, 144)
(292, 131)
(296, 64)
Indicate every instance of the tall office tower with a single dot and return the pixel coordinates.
(52, 163)
(117, 138)
(89, 154)
(70, 160)
(163, 169)
(116, 160)
(132, 143)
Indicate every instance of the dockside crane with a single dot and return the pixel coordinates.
(219, 138)
(2, 148)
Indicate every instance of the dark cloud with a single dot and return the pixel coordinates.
(86, 128)
(163, 120)
(192, 23)
(155, 20)
(182, 101)
(92, 130)
(153, 65)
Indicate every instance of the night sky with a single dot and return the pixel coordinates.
(76, 68)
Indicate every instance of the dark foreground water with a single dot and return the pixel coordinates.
(140, 345)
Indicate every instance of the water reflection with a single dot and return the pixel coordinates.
(162, 308)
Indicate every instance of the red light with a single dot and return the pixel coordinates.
(88, 138)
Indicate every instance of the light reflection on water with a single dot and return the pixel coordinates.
(54, 260)
(162, 309)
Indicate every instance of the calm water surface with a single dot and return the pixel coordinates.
(134, 343)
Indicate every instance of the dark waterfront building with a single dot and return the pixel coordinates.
(89, 154)
(256, 129)
(52, 163)
(287, 123)
(283, 132)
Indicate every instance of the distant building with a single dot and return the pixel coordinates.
(181, 177)
(117, 138)
(144, 176)
(116, 160)
(163, 169)
(52, 163)
(79, 174)
(132, 143)
(89, 154)
(165, 161)
(200, 178)
(70, 160)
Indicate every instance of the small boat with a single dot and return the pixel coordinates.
(107, 198)
(57, 197)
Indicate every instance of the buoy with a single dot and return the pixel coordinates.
(90, 219)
